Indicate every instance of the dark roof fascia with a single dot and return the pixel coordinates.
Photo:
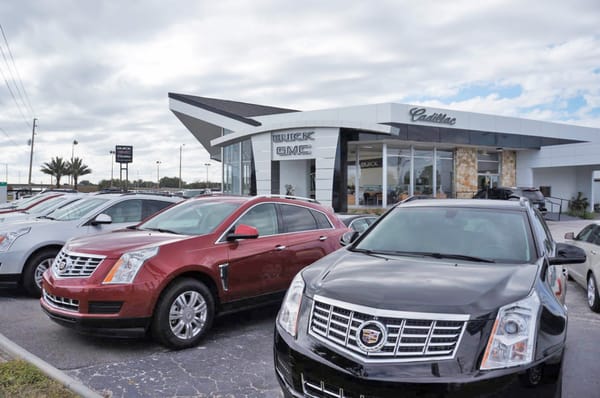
(260, 110)
(474, 137)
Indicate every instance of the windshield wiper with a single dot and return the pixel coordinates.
(458, 257)
(167, 231)
(47, 217)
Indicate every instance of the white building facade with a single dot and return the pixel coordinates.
(377, 155)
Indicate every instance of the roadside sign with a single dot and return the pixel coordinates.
(123, 153)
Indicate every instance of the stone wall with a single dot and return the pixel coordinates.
(509, 169)
(465, 172)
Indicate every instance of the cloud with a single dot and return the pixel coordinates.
(99, 72)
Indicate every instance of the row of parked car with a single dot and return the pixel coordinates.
(445, 296)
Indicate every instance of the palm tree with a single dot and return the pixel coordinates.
(76, 168)
(57, 168)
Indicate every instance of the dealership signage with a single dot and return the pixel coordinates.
(420, 115)
(293, 145)
(371, 163)
(123, 153)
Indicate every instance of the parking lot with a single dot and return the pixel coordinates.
(235, 360)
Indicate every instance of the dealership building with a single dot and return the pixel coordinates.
(377, 155)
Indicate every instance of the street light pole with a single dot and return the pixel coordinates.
(158, 162)
(180, 151)
(31, 152)
(72, 156)
(207, 166)
(112, 162)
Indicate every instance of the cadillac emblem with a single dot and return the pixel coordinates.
(371, 336)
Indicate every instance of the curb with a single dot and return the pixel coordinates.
(74, 385)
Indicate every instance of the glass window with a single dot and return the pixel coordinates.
(398, 174)
(370, 167)
(497, 235)
(297, 218)
(153, 206)
(322, 220)
(232, 169)
(75, 211)
(585, 233)
(196, 217)
(445, 174)
(125, 211)
(263, 217)
(423, 168)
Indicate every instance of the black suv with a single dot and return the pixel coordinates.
(438, 298)
(534, 195)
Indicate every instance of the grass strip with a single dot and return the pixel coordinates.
(21, 379)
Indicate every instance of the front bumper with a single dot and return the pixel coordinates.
(88, 306)
(315, 372)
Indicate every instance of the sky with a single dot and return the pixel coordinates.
(99, 72)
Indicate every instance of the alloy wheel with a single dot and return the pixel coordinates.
(187, 315)
(591, 291)
(40, 269)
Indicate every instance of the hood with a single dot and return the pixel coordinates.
(9, 225)
(419, 284)
(118, 242)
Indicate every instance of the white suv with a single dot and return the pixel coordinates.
(28, 247)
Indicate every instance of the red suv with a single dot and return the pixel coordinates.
(173, 272)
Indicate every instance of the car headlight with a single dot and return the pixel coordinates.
(288, 314)
(512, 341)
(127, 267)
(8, 238)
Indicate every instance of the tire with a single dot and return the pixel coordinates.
(34, 269)
(592, 293)
(184, 314)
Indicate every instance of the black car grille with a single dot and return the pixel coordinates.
(406, 336)
(75, 265)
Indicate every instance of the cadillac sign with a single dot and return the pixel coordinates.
(420, 115)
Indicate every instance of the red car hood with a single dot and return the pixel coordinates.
(113, 244)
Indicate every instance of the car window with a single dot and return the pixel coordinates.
(297, 218)
(45, 205)
(76, 210)
(149, 207)
(585, 233)
(543, 230)
(595, 235)
(125, 211)
(263, 217)
(482, 233)
(195, 217)
(322, 220)
(359, 225)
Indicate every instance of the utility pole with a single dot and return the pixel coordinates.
(31, 153)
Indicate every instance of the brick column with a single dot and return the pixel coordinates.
(508, 178)
(465, 172)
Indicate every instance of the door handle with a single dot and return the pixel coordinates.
(593, 252)
(280, 247)
(322, 238)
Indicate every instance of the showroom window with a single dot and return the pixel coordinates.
(488, 169)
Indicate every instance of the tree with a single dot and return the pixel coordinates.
(76, 168)
(57, 168)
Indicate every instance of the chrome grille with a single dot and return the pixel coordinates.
(406, 336)
(61, 302)
(75, 265)
(320, 389)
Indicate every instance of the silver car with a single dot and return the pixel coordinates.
(28, 247)
(588, 274)
(43, 208)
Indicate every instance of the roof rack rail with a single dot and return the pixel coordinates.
(288, 197)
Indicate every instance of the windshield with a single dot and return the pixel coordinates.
(76, 210)
(486, 234)
(27, 202)
(45, 205)
(196, 217)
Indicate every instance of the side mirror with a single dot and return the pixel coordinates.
(570, 235)
(102, 219)
(348, 237)
(243, 231)
(568, 254)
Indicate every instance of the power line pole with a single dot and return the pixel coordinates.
(31, 152)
